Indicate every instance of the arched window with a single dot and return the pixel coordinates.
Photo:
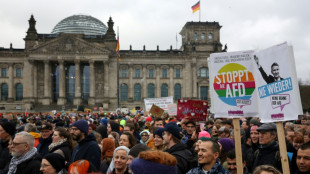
(203, 36)
(137, 92)
(203, 72)
(19, 92)
(164, 90)
(177, 91)
(151, 90)
(4, 91)
(124, 92)
(210, 36)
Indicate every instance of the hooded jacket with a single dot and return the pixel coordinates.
(5, 156)
(183, 155)
(43, 145)
(36, 137)
(87, 149)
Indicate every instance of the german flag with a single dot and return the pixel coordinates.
(196, 7)
(117, 49)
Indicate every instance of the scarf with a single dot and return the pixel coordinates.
(16, 161)
(52, 145)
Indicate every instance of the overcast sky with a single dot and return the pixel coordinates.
(246, 24)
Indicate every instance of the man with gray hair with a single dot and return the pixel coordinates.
(25, 158)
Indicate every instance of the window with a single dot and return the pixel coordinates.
(137, 74)
(3, 72)
(124, 92)
(195, 36)
(19, 92)
(203, 72)
(164, 90)
(177, 73)
(124, 73)
(151, 73)
(18, 72)
(137, 92)
(203, 36)
(164, 73)
(177, 91)
(210, 36)
(150, 90)
(4, 91)
(204, 93)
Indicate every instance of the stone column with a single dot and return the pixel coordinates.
(171, 85)
(130, 86)
(77, 94)
(106, 83)
(157, 85)
(187, 80)
(62, 84)
(194, 81)
(11, 82)
(91, 99)
(47, 94)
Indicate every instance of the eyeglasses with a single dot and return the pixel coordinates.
(145, 135)
(16, 144)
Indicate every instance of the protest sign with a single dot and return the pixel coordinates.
(233, 85)
(194, 109)
(162, 102)
(275, 77)
(172, 109)
(156, 111)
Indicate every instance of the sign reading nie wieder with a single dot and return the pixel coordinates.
(277, 84)
(232, 85)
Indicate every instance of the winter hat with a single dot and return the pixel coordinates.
(104, 121)
(227, 144)
(136, 149)
(122, 122)
(145, 131)
(148, 119)
(159, 132)
(174, 129)
(108, 147)
(9, 127)
(82, 125)
(80, 166)
(267, 127)
(114, 126)
(153, 162)
(204, 134)
(56, 160)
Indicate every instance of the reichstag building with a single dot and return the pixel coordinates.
(76, 64)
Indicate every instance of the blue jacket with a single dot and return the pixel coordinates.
(42, 147)
(216, 169)
(87, 149)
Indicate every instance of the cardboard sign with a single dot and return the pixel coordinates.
(162, 102)
(194, 109)
(156, 111)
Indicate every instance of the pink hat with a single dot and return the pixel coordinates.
(204, 134)
(148, 119)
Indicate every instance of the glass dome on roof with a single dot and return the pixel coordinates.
(80, 24)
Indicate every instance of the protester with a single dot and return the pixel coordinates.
(46, 131)
(130, 128)
(127, 139)
(87, 147)
(115, 137)
(266, 169)
(144, 137)
(118, 164)
(172, 140)
(7, 131)
(303, 159)
(232, 163)
(226, 145)
(134, 152)
(154, 162)
(81, 166)
(25, 157)
(223, 132)
(62, 143)
(53, 163)
(108, 147)
(32, 129)
(158, 139)
(208, 159)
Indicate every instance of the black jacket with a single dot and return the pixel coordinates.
(32, 165)
(183, 155)
(42, 147)
(64, 147)
(5, 156)
(87, 149)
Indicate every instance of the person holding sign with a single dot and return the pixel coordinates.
(274, 71)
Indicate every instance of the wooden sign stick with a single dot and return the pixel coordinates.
(237, 139)
(282, 146)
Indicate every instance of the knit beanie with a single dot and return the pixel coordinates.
(204, 134)
(56, 160)
(174, 129)
(154, 162)
(148, 119)
(227, 144)
(104, 121)
(82, 125)
(159, 132)
(108, 147)
(9, 127)
(136, 149)
(145, 131)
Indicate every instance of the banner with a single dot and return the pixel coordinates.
(194, 109)
(276, 79)
(233, 85)
(162, 102)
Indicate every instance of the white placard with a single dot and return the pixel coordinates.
(162, 102)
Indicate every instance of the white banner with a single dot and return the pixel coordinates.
(172, 109)
(276, 79)
(162, 102)
(233, 85)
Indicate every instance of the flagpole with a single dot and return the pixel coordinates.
(199, 10)
(118, 70)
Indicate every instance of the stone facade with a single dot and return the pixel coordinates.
(186, 68)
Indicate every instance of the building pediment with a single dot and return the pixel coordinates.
(69, 44)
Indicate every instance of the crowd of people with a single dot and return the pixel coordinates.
(125, 143)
